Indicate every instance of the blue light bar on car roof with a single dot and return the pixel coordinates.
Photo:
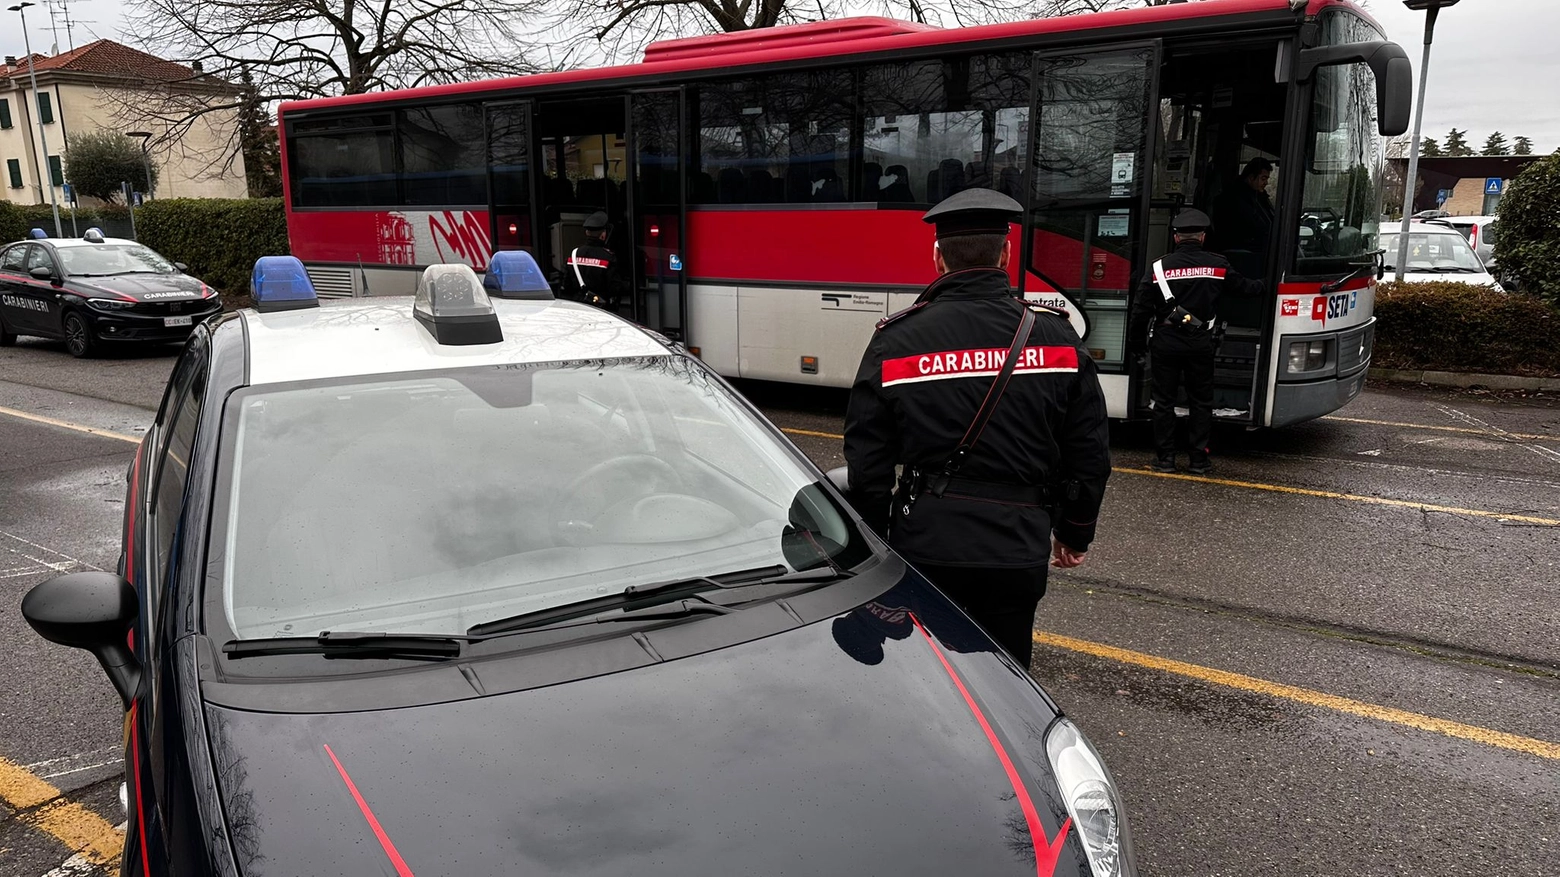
(452, 305)
(279, 283)
(37, 234)
(514, 274)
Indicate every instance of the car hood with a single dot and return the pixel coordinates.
(145, 287)
(849, 746)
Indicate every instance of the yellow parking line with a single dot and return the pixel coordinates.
(1487, 736)
(1352, 497)
(1300, 491)
(63, 424)
(1467, 430)
(70, 823)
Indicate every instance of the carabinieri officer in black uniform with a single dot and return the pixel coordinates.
(591, 272)
(995, 413)
(1178, 300)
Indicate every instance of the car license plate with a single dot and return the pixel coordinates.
(176, 321)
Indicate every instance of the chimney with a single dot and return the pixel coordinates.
(10, 60)
(197, 67)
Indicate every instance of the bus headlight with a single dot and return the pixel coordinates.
(1092, 801)
(1307, 356)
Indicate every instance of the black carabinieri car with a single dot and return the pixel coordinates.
(96, 290)
(490, 588)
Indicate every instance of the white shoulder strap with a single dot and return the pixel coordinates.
(1159, 278)
(574, 262)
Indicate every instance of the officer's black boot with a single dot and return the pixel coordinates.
(1164, 464)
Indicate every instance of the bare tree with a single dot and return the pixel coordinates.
(249, 53)
(617, 30)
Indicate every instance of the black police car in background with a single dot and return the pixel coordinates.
(97, 289)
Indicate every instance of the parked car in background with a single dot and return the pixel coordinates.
(1436, 252)
(1479, 232)
(92, 290)
(1430, 214)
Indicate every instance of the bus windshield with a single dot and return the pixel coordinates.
(1341, 208)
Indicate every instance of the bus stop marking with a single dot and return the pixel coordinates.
(65, 424)
(1298, 491)
(39, 804)
(1487, 736)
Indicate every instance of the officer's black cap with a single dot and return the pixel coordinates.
(974, 211)
(597, 220)
(1191, 221)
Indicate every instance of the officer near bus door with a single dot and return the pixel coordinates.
(1178, 305)
(591, 272)
(995, 414)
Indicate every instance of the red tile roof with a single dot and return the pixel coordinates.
(105, 57)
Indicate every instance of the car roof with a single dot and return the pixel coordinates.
(80, 242)
(363, 337)
(1438, 226)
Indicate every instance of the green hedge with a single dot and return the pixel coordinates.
(219, 239)
(16, 220)
(1458, 327)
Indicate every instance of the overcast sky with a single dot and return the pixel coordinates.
(1494, 65)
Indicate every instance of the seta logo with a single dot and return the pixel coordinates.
(1289, 308)
(1333, 307)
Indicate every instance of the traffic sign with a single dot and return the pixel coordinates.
(70, 194)
(1441, 195)
(1493, 185)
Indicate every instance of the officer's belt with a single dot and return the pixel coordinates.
(997, 491)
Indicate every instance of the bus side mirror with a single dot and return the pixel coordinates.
(91, 611)
(1389, 64)
(1394, 96)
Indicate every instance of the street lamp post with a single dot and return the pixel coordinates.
(1431, 8)
(42, 134)
(145, 161)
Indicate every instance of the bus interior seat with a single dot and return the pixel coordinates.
(703, 188)
(760, 186)
(798, 184)
(947, 179)
(731, 186)
(899, 190)
(871, 176)
(977, 176)
(827, 186)
(1011, 183)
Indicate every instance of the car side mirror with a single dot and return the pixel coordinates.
(840, 478)
(181, 266)
(42, 273)
(91, 611)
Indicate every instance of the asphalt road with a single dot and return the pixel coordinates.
(1338, 654)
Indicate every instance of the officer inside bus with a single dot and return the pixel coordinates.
(1002, 468)
(591, 274)
(1177, 303)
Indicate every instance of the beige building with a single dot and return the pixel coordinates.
(90, 88)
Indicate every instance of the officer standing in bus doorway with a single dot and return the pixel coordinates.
(996, 416)
(591, 272)
(1177, 304)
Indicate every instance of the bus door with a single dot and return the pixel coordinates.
(511, 199)
(1087, 228)
(580, 155)
(657, 193)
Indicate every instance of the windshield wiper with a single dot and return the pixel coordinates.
(349, 644)
(1360, 270)
(646, 601)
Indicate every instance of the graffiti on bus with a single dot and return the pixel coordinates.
(392, 237)
(461, 237)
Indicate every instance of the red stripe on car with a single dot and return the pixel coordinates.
(1046, 851)
(396, 861)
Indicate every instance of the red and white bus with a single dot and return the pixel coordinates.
(766, 187)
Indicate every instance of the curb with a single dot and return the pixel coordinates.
(1466, 380)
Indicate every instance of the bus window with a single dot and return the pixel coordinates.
(343, 162)
(777, 139)
(442, 162)
(933, 128)
(1341, 208)
(509, 154)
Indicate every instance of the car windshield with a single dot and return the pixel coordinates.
(436, 502)
(101, 260)
(1443, 252)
